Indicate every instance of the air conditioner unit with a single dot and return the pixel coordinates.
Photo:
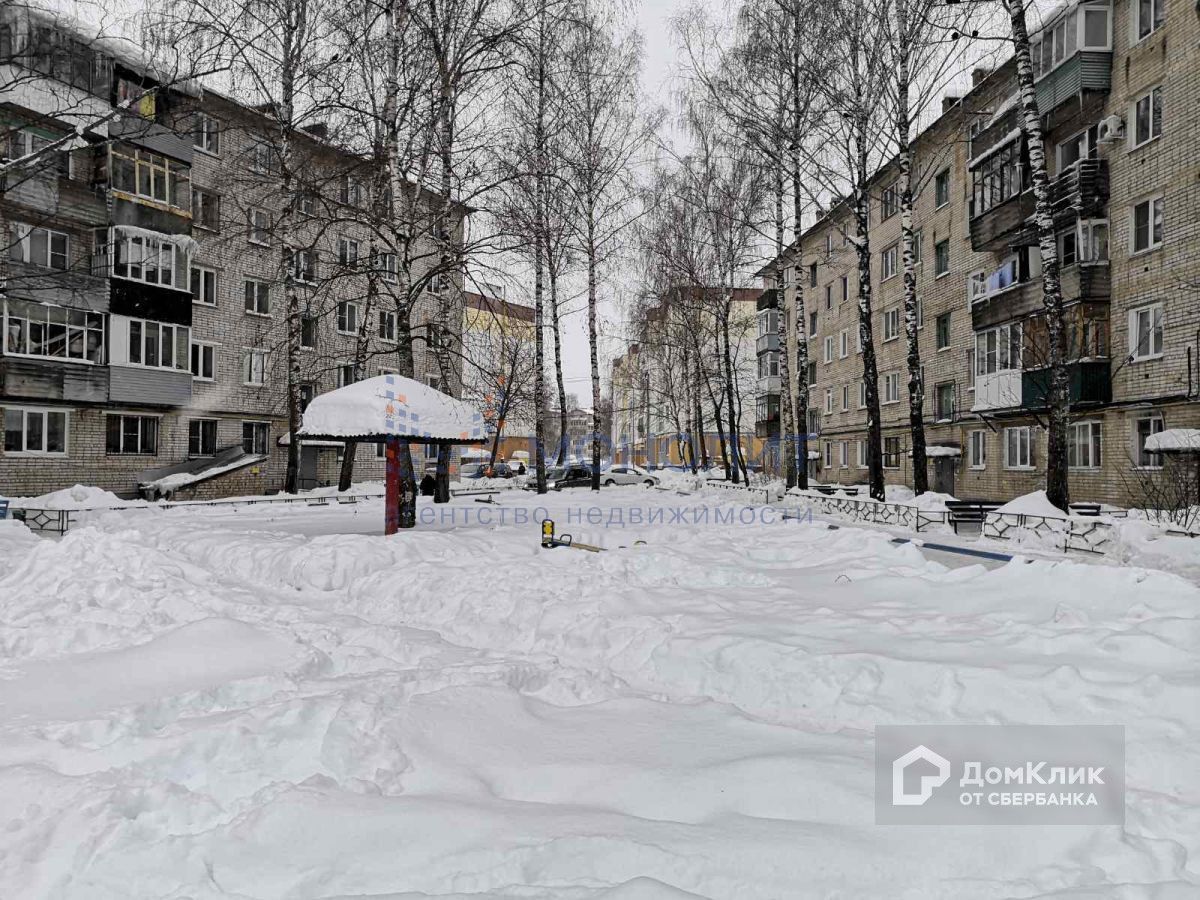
(1111, 128)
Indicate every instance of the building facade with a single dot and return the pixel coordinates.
(499, 340)
(1119, 115)
(148, 270)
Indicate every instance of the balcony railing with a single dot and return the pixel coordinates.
(1079, 192)
(767, 343)
(1081, 282)
(1090, 382)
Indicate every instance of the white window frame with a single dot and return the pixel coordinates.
(258, 296)
(1093, 444)
(941, 273)
(388, 334)
(843, 454)
(843, 343)
(1143, 458)
(45, 413)
(206, 134)
(207, 276)
(198, 196)
(1152, 311)
(251, 355)
(201, 421)
(889, 262)
(177, 365)
(347, 310)
(845, 398)
(203, 346)
(1027, 464)
(828, 401)
(891, 324)
(827, 356)
(257, 424)
(20, 246)
(938, 204)
(255, 227)
(348, 252)
(9, 315)
(1149, 98)
(862, 393)
(891, 388)
(895, 457)
(142, 418)
(1158, 18)
(1155, 209)
(977, 448)
(148, 246)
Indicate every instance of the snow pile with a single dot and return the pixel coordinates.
(212, 703)
(16, 541)
(183, 479)
(1174, 440)
(1034, 504)
(392, 405)
(1141, 543)
(81, 496)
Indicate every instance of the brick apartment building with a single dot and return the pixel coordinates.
(1119, 92)
(145, 279)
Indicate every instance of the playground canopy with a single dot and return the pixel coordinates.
(392, 407)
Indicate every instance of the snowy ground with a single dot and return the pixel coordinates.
(277, 702)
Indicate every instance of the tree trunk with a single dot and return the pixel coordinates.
(592, 340)
(801, 324)
(916, 387)
(1057, 486)
(552, 271)
(870, 369)
(727, 360)
(787, 429)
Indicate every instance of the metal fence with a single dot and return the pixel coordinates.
(1086, 534)
(873, 511)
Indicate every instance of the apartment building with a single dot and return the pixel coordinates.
(499, 339)
(1120, 114)
(147, 272)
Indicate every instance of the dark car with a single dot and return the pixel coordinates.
(560, 477)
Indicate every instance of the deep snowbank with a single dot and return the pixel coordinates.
(208, 704)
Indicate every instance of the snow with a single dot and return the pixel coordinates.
(392, 405)
(80, 496)
(182, 479)
(1174, 440)
(266, 702)
(1035, 504)
(939, 450)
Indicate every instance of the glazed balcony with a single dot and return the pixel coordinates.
(1079, 192)
(1081, 283)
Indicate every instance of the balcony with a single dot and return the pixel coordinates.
(1090, 383)
(1079, 192)
(1080, 283)
(149, 386)
(52, 379)
(1087, 70)
(998, 390)
(766, 420)
(767, 343)
(768, 384)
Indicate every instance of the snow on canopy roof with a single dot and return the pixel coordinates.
(392, 406)
(1174, 440)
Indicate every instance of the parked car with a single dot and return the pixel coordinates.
(470, 471)
(560, 477)
(627, 474)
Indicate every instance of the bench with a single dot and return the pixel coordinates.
(475, 492)
(831, 489)
(1085, 509)
(973, 511)
(3, 509)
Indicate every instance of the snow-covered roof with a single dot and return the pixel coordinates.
(939, 450)
(392, 406)
(1174, 440)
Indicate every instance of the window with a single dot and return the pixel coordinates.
(387, 268)
(997, 178)
(845, 398)
(829, 349)
(941, 258)
(347, 317)
(202, 437)
(434, 380)
(437, 282)
(890, 202)
(862, 394)
(1018, 447)
(1095, 27)
(157, 345)
(1147, 118)
(206, 135)
(845, 288)
(1068, 248)
(1147, 227)
(263, 158)
(843, 344)
(255, 437)
(1093, 241)
(204, 361)
(258, 297)
(39, 246)
(38, 329)
(768, 365)
(891, 452)
(41, 432)
(977, 449)
(888, 261)
(812, 275)
(254, 368)
(304, 265)
(308, 332)
(307, 392)
(1077, 147)
(259, 221)
(828, 243)
(861, 453)
(347, 252)
(1149, 16)
(387, 325)
(154, 259)
(1144, 428)
(140, 173)
(768, 322)
(351, 191)
(942, 327)
(828, 448)
(206, 210)
(131, 435)
(998, 349)
(1146, 332)
(844, 454)
(828, 400)
(1083, 445)
(941, 188)
(891, 387)
(943, 402)
(812, 374)
(204, 286)
(918, 242)
(789, 274)
(891, 324)
(829, 296)
(345, 374)
(977, 286)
